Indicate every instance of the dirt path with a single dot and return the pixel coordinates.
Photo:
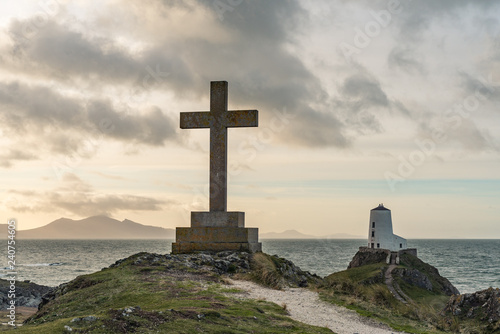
(389, 280)
(305, 306)
(394, 287)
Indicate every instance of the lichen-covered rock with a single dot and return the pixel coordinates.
(423, 275)
(368, 256)
(414, 277)
(27, 293)
(483, 306)
(221, 263)
(292, 274)
(411, 270)
(484, 303)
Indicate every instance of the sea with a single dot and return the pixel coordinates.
(470, 265)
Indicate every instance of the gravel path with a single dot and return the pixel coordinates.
(389, 280)
(305, 306)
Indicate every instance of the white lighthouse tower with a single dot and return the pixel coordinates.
(380, 233)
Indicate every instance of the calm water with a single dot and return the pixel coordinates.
(470, 265)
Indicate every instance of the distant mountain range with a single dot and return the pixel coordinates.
(96, 227)
(102, 227)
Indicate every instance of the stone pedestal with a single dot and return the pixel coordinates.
(216, 231)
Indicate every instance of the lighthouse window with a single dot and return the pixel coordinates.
(373, 224)
(373, 233)
(378, 245)
(400, 245)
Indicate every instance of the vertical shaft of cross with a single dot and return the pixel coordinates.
(217, 229)
(218, 119)
(218, 146)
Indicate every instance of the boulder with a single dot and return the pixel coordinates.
(367, 256)
(28, 294)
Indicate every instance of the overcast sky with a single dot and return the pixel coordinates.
(360, 103)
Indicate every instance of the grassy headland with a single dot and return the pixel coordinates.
(427, 294)
(148, 293)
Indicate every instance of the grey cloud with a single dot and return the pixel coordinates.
(103, 204)
(482, 87)
(255, 59)
(77, 197)
(263, 20)
(151, 127)
(419, 15)
(58, 51)
(461, 132)
(14, 155)
(316, 128)
(268, 76)
(471, 138)
(466, 135)
(74, 125)
(361, 99)
(23, 106)
(406, 59)
(364, 90)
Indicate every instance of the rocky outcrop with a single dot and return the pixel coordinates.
(26, 293)
(414, 277)
(485, 303)
(277, 272)
(367, 256)
(416, 272)
(227, 262)
(410, 270)
(204, 264)
(482, 306)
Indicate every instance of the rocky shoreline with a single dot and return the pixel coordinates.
(27, 294)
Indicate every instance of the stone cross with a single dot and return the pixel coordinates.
(217, 230)
(218, 119)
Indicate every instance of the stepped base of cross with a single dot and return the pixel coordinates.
(216, 231)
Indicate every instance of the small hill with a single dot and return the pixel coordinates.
(408, 296)
(96, 227)
(152, 293)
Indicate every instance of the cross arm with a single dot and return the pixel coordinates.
(195, 120)
(242, 118)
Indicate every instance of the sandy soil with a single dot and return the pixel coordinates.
(22, 313)
(305, 306)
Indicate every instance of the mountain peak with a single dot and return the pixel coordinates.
(96, 227)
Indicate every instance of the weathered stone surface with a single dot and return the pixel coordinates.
(217, 219)
(410, 269)
(190, 247)
(218, 120)
(483, 306)
(217, 229)
(216, 234)
(368, 256)
(414, 277)
(27, 294)
(412, 265)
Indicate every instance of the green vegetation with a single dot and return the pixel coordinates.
(363, 289)
(147, 297)
(264, 271)
(149, 293)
